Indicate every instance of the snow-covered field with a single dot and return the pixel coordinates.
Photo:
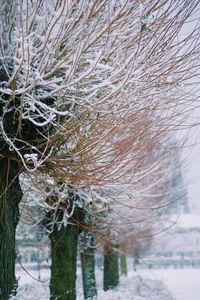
(168, 284)
(183, 283)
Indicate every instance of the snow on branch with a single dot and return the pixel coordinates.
(89, 87)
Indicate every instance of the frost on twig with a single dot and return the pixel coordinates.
(88, 87)
(90, 93)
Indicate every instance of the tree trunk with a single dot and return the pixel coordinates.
(63, 265)
(123, 264)
(63, 259)
(111, 268)
(88, 268)
(10, 196)
(136, 260)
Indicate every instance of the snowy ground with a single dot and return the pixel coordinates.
(168, 284)
(183, 283)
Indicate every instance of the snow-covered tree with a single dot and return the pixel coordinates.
(79, 82)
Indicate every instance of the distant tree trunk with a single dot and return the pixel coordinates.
(10, 196)
(111, 268)
(136, 260)
(63, 260)
(88, 268)
(123, 264)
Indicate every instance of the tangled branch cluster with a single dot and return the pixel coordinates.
(90, 89)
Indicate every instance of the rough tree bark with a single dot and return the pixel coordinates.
(88, 269)
(111, 268)
(10, 196)
(64, 256)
